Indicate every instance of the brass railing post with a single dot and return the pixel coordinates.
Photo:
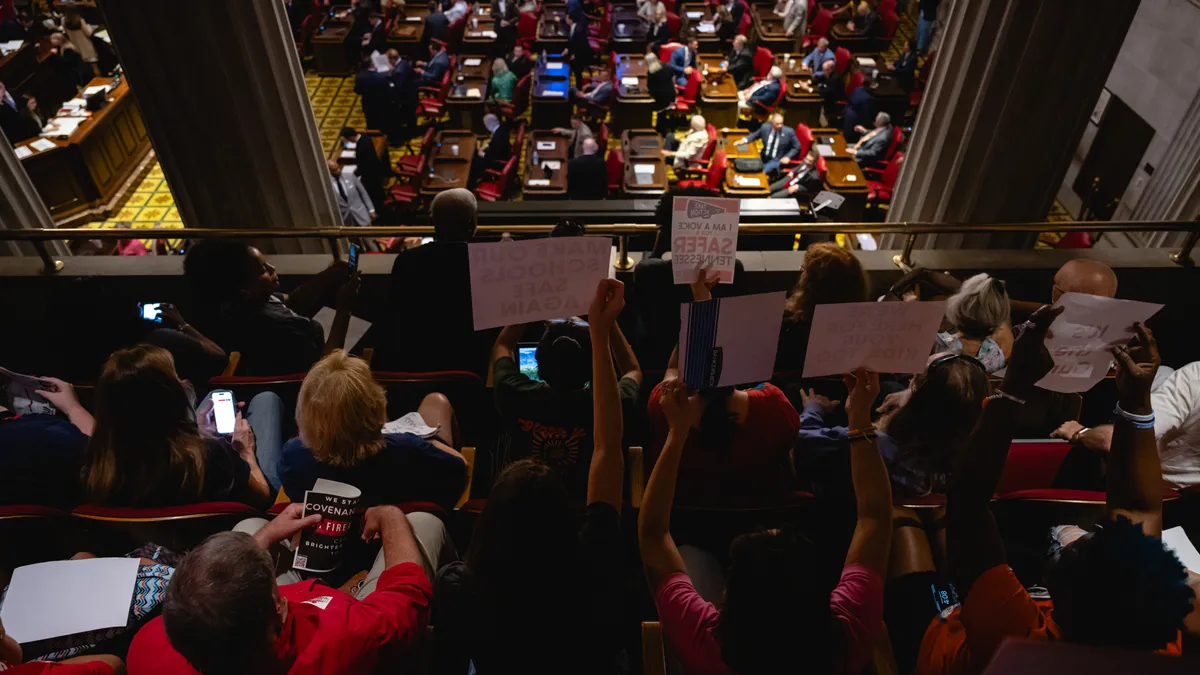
(904, 258)
(49, 264)
(624, 262)
(1184, 256)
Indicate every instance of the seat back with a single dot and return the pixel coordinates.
(602, 136)
(665, 51)
(890, 22)
(821, 166)
(897, 139)
(763, 60)
(427, 143)
(1032, 464)
(454, 35)
(616, 169)
(885, 5)
(527, 29)
(805, 136)
(673, 23)
(113, 531)
(782, 91)
(744, 24)
(853, 82)
(716, 171)
(842, 57)
(521, 94)
(691, 90)
(40, 531)
(712, 143)
(892, 171)
(821, 22)
(520, 140)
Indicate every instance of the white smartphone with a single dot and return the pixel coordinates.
(224, 411)
(150, 311)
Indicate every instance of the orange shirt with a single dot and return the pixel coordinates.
(997, 607)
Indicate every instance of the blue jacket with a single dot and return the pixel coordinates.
(858, 112)
(436, 68)
(767, 93)
(787, 146)
(677, 61)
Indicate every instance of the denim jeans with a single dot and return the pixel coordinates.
(924, 32)
(265, 415)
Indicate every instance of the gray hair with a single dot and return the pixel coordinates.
(453, 214)
(590, 146)
(698, 123)
(979, 307)
(776, 73)
(884, 117)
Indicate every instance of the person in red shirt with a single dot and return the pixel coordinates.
(1114, 587)
(10, 662)
(223, 612)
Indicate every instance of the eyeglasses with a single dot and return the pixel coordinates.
(952, 357)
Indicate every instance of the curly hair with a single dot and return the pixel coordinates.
(1119, 587)
(831, 275)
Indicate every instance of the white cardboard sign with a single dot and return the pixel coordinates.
(516, 282)
(729, 341)
(1081, 338)
(704, 234)
(66, 597)
(887, 337)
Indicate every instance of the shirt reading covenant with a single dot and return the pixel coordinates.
(688, 621)
(997, 607)
(552, 426)
(406, 469)
(325, 632)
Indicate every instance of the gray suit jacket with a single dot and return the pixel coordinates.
(355, 206)
(873, 149)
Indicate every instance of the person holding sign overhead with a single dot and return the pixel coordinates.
(831, 274)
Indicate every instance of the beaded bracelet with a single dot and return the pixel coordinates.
(1136, 421)
(864, 434)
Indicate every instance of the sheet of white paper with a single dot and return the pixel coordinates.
(1176, 540)
(380, 62)
(887, 337)
(546, 145)
(65, 597)
(629, 81)
(413, 19)
(10, 46)
(352, 145)
(42, 145)
(474, 91)
(1081, 337)
(103, 35)
(62, 126)
(747, 181)
(729, 341)
(644, 169)
(515, 282)
(555, 92)
(88, 91)
(825, 150)
(347, 154)
(612, 263)
(704, 234)
(694, 15)
(412, 423)
(866, 62)
(705, 27)
(23, 152)
(851, 178)
(552, 164)
(354, 332)
(489, 33)
(538, 182)
(472, 62)
(333, 487)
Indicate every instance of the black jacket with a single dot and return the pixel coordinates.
(581, 50)
(662, 88)
(370, 167)
(436, 27)
(519, 67)
(741, 67)
(587, 177)
(500, 148)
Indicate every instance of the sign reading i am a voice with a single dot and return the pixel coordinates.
(704, 235)
(516, 282)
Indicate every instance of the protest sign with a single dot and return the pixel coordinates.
(729, 341)
(887, 337)
(1081, 338)
(320, 546)
(704, 234)
(516, 282)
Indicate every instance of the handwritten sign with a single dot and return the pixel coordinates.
(1081, 338)
(521, 281)
(704, 234)
(887, 337)
(729, 341)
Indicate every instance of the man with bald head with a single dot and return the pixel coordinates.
(1082, 275)
(587, 175)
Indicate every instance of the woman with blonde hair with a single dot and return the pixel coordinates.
(660, 83)
(503, 82)
(660, 32)
(148, 450)
(341, 412)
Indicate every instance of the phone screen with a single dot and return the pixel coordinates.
(353, 258)
(528, 362)
(223, 411)
(150, 311)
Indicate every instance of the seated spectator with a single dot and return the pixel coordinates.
(775, 601)
(548, 414)
(979, 314)
(536, 589)
(764, 93)
(829, 83)
(739, 63)
(684, 59)
(497, 151)
(1117, 586)
(921, 433)
(904, 68)
(40, 455)
(866, 22)
(503, 82)
(872, 147)
(147, 449)
(647, 9)
(780, 146)
(237, 302)
(11, 664)
(691, 147)
(341, 412)
(831, 275)
(587, 174)
(226, 613)
(658, 297)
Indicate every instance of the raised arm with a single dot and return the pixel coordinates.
(872, 538)
(608, 465)
(346, 296)
(1134, 472)
(627, 361)
(506, 343)
(660, 557)
(973, 542)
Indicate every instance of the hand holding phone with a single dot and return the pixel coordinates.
(150, 311)
(224, 411)
(353, 259)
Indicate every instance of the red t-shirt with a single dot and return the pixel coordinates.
(754, 467)
(688, 621)
(326, 632)
(46, 668)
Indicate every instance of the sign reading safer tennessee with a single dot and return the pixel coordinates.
(704, 236)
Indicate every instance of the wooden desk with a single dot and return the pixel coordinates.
(792, 66)
(88, 170)
(346, 157)
(641, 144)
(551, 103)
(537, 184)
(551, 30)
(629, 31)
(408, 32)
(448, 169)
(728, 139)
(479, 36)
(691, 15)
(746, 185)
(86, 9)
(890, 98)
(634, 108)
(331, 42)
(842, 174)
(718, 94)
(17, 68)
(655, 185)
(770, 29)
(799, 105)
(468, 89)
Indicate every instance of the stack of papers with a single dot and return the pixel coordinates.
(23, 152)
(472, 62)
(546, 145)
(824, 150)
(866, 62)
(706, 27)
(347, 154)
(552, 164)
(9, 47)
(629, 81)
(538, 182)
(695, 15)
(95, 90)
(42, 145)
(474, 91)
(413, 19)
(746, 181)
(380, 62)
(554, 92)
(62, 126)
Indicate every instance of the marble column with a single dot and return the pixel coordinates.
(1011, 92)
(222, 94)
(1173, 192)
(21, 207)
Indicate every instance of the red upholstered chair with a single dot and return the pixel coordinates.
(685, 102)
(853, 82)
(842, 56)
(819, 26)
(673, 24)
(744, 24)
(496, 185)
(601, 137)
(890, 22)
(821, 167)
(1032, 465)
(760, 111)
(874, 172)
(885, 6)
(665, 51)
(527, 29)
(879, 192)
(897, 140)
(454, 35)
(713, 174)
(763, 60)
(308, 27)
(411, 165)
(116, 530)
(616, 171)
(805, 136)
(402, 194)
(520, 99)
(431, 100)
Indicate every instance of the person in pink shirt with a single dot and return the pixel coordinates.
(776, 604)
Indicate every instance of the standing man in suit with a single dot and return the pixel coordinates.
(683, 60)
(740, 63)
(764, 93)
(576, 135)
(780, 144)
(353, 201)
(518, 62)
(506, 14)
(498, 150)
(829, 83)
(587, 175)
(404, 96)
(858, 110)
(375, 39)
(439, 62)
(872, 148)
(578, 49)
(736, 9)
(369, 168)
(373, 87)
(804, 177)
(437, 26)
